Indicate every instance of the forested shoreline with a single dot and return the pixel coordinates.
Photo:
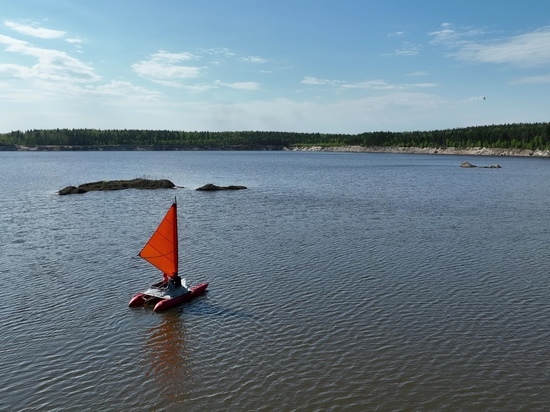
(522, 136)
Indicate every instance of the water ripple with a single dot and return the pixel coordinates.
(390, 283)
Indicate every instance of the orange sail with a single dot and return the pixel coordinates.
(162, 249)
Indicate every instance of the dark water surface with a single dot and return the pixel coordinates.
(337, 282)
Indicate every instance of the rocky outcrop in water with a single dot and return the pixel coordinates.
(211, 187)
(118, 185)
(468, 164)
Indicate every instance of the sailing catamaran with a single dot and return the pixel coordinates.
(162, 252)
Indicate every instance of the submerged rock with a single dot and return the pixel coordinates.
(118, 185)
(212, 187)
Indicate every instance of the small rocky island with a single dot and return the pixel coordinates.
(118, 185)
(468, 165)
(212, 187)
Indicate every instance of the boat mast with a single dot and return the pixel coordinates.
(176, 240)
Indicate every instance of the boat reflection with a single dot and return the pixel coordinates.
(168, 355)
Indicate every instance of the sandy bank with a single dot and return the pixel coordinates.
(472, 151)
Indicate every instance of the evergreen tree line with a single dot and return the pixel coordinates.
(510, 136)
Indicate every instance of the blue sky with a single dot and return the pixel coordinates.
(329, 66)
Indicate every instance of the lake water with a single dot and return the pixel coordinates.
(338, 281)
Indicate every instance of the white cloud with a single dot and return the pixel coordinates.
(530, 49)
(253, 59)
(314, 81)
(198, 88)
(15, 45)
(16, 71)
(163, 66)
(157, 70)
(244, 85)
(163, 55)
(51, 65)
(240, 85)
(525, 50)
(383, 85)
(123, 89)
(451, 37)
(368, 84)
(194, 88)
(222, 51)
(407, 49)
(444, 35)
(317, 82)
(35, 31)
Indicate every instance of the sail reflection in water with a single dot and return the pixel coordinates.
(168, 356)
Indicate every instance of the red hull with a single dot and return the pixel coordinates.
(164, 304)
(137, 300)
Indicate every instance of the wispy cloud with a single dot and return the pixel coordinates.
(450, 36)
(253, 59)
(173, 57)
(397, 34)
(532, 80)
(383, 85)
(525, 50)
(405, 52)
(406, 49)
(123, 90)
(219, 51)
(239, 85)
(310, 80)
(530, 49)
(51, 64)
(167, 69)
(366, 85)
(35, 31)
(163, 67)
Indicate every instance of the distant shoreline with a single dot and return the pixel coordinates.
(472, 151)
